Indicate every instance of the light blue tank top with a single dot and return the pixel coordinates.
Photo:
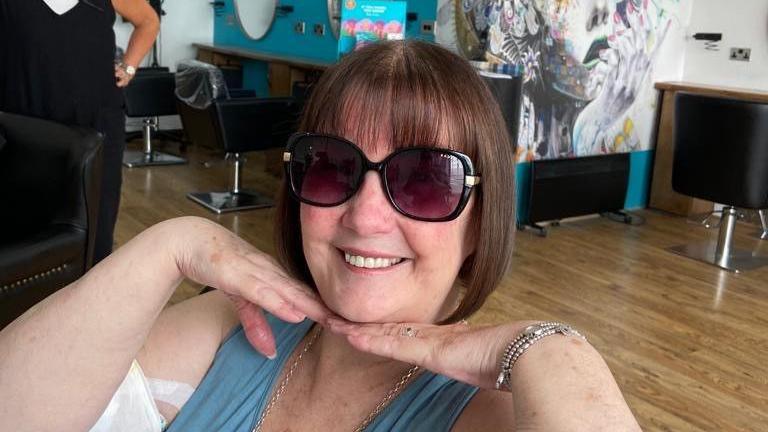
(239, 383)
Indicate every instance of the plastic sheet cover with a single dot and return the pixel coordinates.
(198, 84)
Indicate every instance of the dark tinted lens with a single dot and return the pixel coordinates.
(426, 184)
(324, 170)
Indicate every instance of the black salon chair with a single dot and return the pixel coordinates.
(235, 121)
(151, 94)
(721, 155)
(246, 125)
(508, 92)
(50, 176)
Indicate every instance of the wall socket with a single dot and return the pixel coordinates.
(300, 27)
(428, 27)
(319, 29)
(740, 54)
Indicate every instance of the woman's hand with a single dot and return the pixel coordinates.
(211, 255)
(617, 81)
(121, 76)
(567, 370)
(464, 353)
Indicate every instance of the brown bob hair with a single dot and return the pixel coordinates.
(409, 93)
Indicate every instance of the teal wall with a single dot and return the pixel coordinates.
(282, 39)
(640, 170)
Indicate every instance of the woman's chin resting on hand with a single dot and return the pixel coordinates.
(392, 227)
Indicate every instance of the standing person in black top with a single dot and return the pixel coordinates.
(57, 61)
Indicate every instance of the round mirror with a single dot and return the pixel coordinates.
(334, 16)
(255, 16)
(455, 29)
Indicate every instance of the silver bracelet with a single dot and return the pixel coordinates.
(522, 342)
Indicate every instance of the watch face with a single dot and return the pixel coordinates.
(130, 70)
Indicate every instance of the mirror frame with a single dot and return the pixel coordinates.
(334, 16)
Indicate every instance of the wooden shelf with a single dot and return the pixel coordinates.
(710, 90)
(243, 53)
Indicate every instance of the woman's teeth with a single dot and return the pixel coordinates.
(368, 262)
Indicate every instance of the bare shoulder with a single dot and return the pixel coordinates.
(184, 340)
(488, 410)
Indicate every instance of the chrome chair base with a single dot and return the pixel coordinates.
(764, 224)
(736, 261)
(223, 202)
(722, 254)
(149, 157)
(137, 159)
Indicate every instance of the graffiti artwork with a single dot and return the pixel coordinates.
(586, 67)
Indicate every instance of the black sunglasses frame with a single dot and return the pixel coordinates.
(471, 178)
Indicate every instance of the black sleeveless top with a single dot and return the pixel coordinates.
(59, 67)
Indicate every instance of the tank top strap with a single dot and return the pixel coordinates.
(238, 384)
(430, 403)
(235, 389)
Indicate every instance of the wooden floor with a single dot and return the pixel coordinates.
(688, 343)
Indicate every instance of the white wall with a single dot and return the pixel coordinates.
(669, 64)
(744, 24)
(186, 21)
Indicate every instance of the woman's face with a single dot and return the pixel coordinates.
(582, 26)
(417, 262)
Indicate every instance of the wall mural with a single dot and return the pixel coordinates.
(586, 66)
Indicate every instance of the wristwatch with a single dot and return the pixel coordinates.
(130, 70)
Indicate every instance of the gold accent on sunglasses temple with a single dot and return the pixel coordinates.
(286, 156)
(471, 180)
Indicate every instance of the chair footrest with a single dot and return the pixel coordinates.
(222, 202)
(736, 261)
(136, 159)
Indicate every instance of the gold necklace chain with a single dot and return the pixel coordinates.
(404, 380)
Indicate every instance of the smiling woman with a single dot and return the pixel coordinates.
(409, 233)
(401, 96)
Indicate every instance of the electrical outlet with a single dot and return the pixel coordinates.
(740, 54)
(428, 27)
(300, 27)
(319, 29)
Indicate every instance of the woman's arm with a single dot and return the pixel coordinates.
(559, 384)
(146, 26)
(61, 362)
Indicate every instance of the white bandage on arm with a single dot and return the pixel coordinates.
(171, 392)
(132, 407)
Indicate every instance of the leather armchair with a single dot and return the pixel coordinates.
(50, 176)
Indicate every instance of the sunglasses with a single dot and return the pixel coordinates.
(422, 183)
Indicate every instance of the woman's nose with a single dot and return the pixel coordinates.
(369, 210)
